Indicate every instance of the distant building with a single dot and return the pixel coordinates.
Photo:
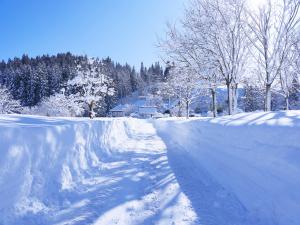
(147, 111)
(118, 111)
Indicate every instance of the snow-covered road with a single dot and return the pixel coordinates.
(124, 178)
(239, 170)
(146, 191)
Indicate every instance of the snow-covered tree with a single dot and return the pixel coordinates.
(180, 48)
(89, 87)
(212, 34)
(290, 75)
(7, 103)
(31, 80)
(185, 86)
(271, 31)
(211, 80)
(287, 79)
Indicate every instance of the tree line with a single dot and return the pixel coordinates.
(48, 82)
(233, 43)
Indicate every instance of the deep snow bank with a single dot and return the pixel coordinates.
(43, 157)
(243, 169)
(77, 171)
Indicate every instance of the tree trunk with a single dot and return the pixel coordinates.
(287, 103)
(179, 109)
(214, 101)
(91, 110)
(187, 109)
(229, 98)
(268, 98)
(235, 97)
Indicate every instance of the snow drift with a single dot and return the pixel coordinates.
(40, 158)
(242, 169)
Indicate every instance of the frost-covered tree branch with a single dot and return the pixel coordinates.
(272, 29)
(211, 36)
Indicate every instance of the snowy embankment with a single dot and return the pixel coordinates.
(78, 171)
(243, 169)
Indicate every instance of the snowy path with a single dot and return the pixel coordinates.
(139, 189)
(211, 201)
(133, 184)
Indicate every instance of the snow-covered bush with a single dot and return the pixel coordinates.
(7, 103)
(59, 105)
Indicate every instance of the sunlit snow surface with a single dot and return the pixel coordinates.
(242, 169)
(237, 170)
(77, 171)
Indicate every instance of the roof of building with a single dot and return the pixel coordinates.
(148, 109)
(118, 108)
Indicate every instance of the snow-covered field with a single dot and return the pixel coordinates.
(237, 170)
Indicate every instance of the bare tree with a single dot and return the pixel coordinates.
(184, 84)
(212, 34)
(271, 29)
(211, 80)
(220, 24)
(289, 73)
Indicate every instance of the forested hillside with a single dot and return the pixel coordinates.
(32, 80)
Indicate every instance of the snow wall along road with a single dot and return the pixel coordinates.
(41, 158)
(241, 169)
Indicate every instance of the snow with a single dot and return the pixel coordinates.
(147, 110)
(79, 171)
(242, 169)
(119, 108)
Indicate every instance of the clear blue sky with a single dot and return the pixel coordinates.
(125, 30)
